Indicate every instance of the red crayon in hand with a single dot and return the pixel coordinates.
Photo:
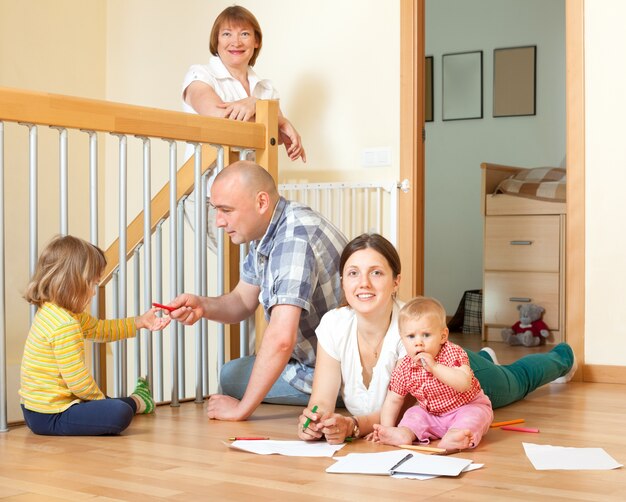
(164, 307)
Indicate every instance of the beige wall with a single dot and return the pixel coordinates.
(605, 109)
(56, 47)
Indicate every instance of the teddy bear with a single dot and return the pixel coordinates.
(530, 330)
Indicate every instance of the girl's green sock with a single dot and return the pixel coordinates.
(145, 403)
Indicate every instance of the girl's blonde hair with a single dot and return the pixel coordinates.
(65, 273)
(421, 306)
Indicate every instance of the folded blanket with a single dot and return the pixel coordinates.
(541, 183)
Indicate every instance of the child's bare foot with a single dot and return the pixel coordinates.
(394, 435)
(457, 439)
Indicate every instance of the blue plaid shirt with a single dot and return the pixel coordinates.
(296, 263)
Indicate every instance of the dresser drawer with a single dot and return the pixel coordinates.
(522, 243)
(504, 291)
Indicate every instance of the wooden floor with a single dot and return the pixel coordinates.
(177, 454)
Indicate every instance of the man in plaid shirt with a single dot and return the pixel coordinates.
(450, 402)
(292, 269)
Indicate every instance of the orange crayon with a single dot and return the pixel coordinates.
(507, 422)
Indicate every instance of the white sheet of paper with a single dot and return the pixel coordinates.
(367, 463)
(433, 465)
(419, 466)
(288, 448)
(546, 457)
(422, 477)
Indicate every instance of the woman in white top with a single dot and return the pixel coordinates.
(359, 345)
(228, 87)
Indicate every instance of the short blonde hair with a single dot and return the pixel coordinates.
(65, 272)
(238, 16)
(421, 306)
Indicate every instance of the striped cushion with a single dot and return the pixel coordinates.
(542, 183)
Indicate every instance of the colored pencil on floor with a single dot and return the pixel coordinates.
(507, 422)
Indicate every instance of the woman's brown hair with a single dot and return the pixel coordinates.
(238, 16)
(65, 273)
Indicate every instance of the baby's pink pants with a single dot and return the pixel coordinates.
(475, 416)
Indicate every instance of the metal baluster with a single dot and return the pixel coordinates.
(174, 231)
(116, 347)
(203, 286)
(180, 287)
(221, 261)
(32, 205)
(157, 384)
(197, 254)
(137, 302)
(93, 238)
(244, 326)
(147, 255)
(122, 239)
(3, 331)
(63, 181)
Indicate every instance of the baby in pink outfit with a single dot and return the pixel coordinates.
(450, 402)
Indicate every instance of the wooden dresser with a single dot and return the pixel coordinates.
(523, 256)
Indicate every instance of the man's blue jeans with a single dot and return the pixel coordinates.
(235, 376)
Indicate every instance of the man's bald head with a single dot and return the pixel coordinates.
(244, 196)
(248, 177)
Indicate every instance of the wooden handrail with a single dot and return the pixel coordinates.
(31, 107)
(71, 112)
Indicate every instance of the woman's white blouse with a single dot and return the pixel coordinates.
(227, 87)
(337, 334)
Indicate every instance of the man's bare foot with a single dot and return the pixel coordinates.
(394, 435)
(456, 439)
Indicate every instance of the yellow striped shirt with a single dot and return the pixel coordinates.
(53, 374)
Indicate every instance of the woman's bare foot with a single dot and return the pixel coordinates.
(457, 439)
(394, 435)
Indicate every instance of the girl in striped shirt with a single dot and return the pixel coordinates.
(59, 396)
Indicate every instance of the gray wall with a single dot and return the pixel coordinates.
(455, 149)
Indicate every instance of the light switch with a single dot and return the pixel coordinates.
(376, 157)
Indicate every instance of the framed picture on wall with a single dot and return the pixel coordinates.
(514, 81)
(429, 105)
(462, 83)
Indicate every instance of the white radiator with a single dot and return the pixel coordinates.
(355, 208)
